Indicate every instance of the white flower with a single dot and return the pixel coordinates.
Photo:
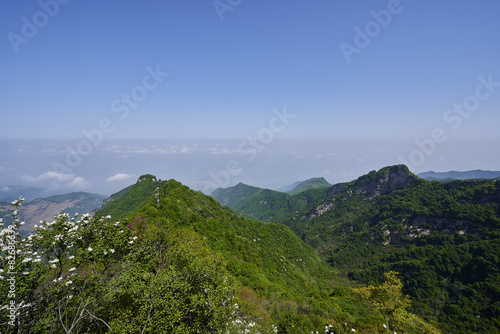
(25, 273)
(53, 266)
(90, 249)
(108, 216)
(134, 238)
(69, 282)
(72, 269)
(105, 253)
(353, 330)
(385, 326)
(112, 250)
(131, 242)
(71, 257)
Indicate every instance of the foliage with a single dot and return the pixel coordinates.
(102, 276)
(442, 237)
(177, 261)
(392, 304)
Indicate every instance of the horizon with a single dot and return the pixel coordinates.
(202, 166)
(255, 92)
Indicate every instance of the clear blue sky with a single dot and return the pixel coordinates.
(225, 77)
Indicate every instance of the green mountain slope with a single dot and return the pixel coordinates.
(173, 260)
(443, 238)
(264, 204)
(269, 259)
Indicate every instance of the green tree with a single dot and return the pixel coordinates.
(392, 303)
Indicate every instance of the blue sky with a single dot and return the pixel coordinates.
(68, 67)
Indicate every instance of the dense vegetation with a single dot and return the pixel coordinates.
(174, 261)
(444, 238)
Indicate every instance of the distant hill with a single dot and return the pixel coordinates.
(454, 175)
(260, 204)
(46, 208)
(314, 183)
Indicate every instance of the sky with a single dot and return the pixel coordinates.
(94, 94)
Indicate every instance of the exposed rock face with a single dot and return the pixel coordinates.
(396, 178)
(371, 185)
(320, 209)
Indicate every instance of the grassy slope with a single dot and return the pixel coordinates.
(443, 237)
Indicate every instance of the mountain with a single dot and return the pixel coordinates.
(269, 260)
(314, 183)
(454, 175)
(160, 257)
(46, 208)
(442, 237)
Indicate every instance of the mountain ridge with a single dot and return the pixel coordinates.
(460, 175)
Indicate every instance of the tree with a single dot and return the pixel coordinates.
(391, 303)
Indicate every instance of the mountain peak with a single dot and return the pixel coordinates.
(385, 180)
(146, 177)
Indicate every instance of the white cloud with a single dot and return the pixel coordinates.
(78, 182)
(56, 181)
(118, 177)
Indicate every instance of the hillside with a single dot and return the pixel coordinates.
(265, 204)
(249, 245)
(276, 270)
(443, 237)
(46, 208)
(174, 260)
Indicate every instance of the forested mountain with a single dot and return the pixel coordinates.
(161, 258)
(443, 237)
